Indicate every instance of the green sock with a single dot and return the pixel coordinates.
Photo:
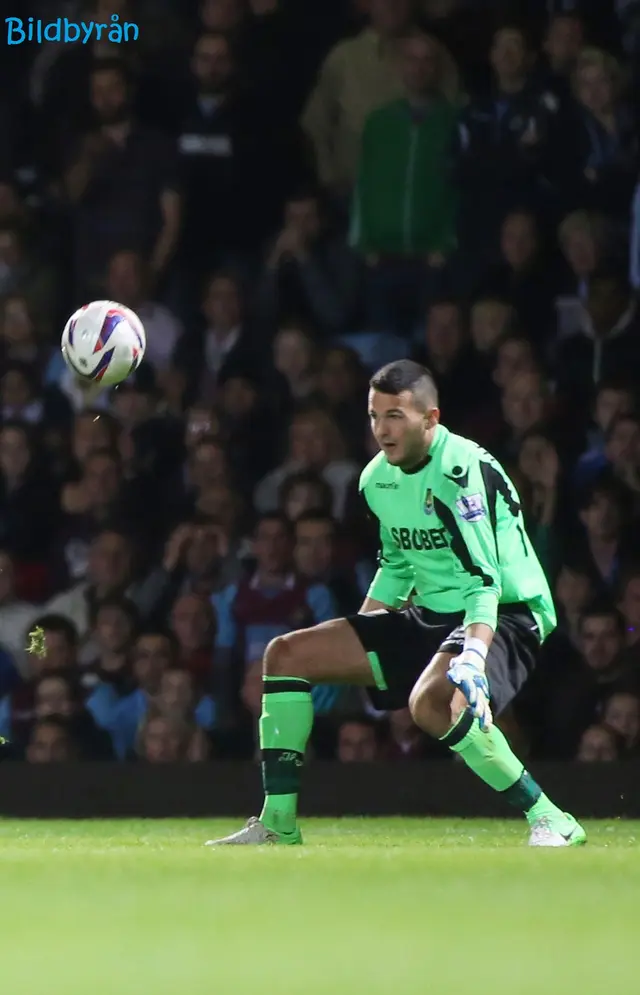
(285, 727)
(489, 755)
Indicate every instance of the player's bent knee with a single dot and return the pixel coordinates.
(282, 659)
(429, 704)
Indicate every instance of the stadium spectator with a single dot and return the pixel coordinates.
(577, 586)
(272, 600)
(16, 615)
(110, 568)
(604, 143)
(224, 341)
(59, 655)
(251, 400)
(51, 741)
(303, 493)
(598, 744)
(606, 346)
(621, 713)
(604, 515)
(194, 627)
(358, 741)
(60, 697)
(310, 276)
(357, 76)
(614, 400)
(122, 184)
(507, 152)
(444, 349)
(107, 652)
(315, 444)
(294, 358)
(525, 275)
(164, 740)
(29, 507)
(403, 228)
(316, 557)
(128, 283)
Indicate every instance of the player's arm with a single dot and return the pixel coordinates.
(469, 519)
(394, 579)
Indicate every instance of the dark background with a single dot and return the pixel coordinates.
(214, 176)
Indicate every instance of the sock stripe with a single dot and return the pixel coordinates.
(460, 729)
(283, 685)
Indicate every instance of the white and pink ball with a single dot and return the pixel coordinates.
(103, 342)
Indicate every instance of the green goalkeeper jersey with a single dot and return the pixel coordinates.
(453, 537)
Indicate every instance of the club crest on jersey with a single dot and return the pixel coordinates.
(471, 507)
(428, 502)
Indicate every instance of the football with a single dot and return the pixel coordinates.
(103, 342)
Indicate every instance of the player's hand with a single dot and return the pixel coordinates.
(472, 682)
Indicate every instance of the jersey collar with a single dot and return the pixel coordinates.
(439, 437)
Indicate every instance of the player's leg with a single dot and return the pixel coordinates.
(330, 653)
(441, 710)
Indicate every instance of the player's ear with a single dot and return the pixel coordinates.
(432, 417)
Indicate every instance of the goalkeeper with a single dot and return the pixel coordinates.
(453, 621)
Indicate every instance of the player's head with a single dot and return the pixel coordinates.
(404, 413)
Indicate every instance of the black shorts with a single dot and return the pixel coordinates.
(401, 644)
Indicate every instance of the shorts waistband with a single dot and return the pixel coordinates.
(457, 618)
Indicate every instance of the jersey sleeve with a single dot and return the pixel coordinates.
(473, 543)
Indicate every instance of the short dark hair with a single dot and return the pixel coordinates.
(274, 516)
(621, 383)
(606, 485)
(60, 624)
(405, 374)
(603, 608)
(160, 633)
(113, 65)
(122, 604)
(309, 479)
(618, 420)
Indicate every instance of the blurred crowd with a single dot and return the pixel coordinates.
(291, 194)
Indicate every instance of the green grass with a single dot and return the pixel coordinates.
(367, 907)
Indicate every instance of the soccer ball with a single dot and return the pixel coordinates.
(103, 342)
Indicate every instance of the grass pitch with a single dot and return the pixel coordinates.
(408, 907)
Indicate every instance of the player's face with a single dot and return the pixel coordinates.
(402, 430)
